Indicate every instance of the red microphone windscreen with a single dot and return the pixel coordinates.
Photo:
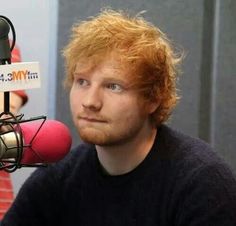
(51, 143)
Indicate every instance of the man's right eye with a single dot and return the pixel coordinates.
(81, 82)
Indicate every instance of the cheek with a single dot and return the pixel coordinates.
(73, 102)
(126, 113)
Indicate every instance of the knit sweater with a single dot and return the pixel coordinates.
(181, 182)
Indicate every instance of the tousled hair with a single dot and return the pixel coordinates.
(152, 61)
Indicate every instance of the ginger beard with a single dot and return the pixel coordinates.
(111, 132)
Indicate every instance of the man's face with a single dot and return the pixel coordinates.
(104, 109)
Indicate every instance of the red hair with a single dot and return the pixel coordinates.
(144, 47)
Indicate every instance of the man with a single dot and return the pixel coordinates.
(17, 100)
(131, 169)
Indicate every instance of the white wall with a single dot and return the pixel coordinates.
(35, 22)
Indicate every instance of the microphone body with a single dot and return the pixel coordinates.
(43, 143)
(5, 53)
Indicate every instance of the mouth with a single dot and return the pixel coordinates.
(88, 119)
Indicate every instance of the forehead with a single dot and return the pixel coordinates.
(109, 65)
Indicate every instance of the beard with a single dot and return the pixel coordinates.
(93, 136)
(109, 135)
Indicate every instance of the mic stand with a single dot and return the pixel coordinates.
(7, 119)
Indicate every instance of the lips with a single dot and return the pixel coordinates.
(89, 119)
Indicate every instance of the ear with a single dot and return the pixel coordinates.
(153, 105)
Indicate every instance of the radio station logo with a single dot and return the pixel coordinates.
(17, 76)
(21, 75)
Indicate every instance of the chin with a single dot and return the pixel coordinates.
(93, 136)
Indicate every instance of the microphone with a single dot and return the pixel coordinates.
(25, 142)
(34, 143)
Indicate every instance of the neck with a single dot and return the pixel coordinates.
(123, 158)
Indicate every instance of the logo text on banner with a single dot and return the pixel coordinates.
(17, 76)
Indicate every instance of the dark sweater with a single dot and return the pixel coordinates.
(181, 182)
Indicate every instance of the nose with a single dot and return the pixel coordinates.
(92, 99)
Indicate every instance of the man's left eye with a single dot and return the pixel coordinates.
(115, 87)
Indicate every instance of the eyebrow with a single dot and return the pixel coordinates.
(107, 79)
(116, 80)
(81, 72)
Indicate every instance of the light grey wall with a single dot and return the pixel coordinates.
(206, 31)
(225, 85)
(35, 23)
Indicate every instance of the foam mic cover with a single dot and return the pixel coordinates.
(51, 143)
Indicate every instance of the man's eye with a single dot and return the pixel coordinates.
(81, 82)
(115, 87)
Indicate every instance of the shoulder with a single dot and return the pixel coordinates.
(176, 145)
(44, 187)
(75, 158)
(193, 161)
(201, 182)
(55, 174)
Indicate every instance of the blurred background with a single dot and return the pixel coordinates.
(203, 29)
